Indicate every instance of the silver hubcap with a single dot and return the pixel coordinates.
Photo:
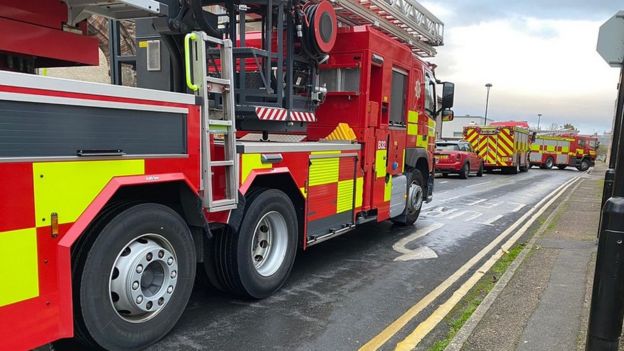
(415, 198)
(269, 243)
(143, 278)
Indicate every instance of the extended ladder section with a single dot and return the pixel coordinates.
(218, 126)
(79, 10)
(404, 20)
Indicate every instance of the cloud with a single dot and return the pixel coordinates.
(464, 12)
(537, 64)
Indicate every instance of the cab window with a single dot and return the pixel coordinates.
(398, 98)
(430, 99)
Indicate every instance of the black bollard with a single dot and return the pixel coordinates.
(607, 304)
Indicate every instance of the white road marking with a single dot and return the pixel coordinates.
(517, 208)
(471, 215)
(477, 202)
(420, 253)
(492, 220)
(438, 212)
(443, 182)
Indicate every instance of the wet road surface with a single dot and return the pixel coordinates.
(345, 291)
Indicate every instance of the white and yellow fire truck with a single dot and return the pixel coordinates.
(501, 145)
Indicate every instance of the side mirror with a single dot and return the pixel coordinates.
(448, 94)
(447, 115)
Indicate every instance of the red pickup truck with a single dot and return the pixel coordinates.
(457, 157)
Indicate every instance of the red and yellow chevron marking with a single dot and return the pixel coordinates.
(494, 149)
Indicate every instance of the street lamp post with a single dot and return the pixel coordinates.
(487, 100)
(539, 117)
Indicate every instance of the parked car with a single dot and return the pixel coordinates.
(457, 157)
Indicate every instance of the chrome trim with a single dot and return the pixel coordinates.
(73, 86)
(316, 157)
(45, 99)
(78, 158)
(269, 147)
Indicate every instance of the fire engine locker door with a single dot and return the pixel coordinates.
(332, 191)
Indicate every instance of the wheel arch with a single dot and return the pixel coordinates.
(174, 190)
(282, 181)
(419, 158)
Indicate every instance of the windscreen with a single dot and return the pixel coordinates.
(447, 147)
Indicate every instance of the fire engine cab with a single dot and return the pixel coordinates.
(258, 128)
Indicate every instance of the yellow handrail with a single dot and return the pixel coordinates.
(187, 60)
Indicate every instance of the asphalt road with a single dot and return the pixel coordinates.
(345, 291)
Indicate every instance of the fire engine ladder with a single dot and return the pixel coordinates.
(218, 125)
(404, 20)
(79, 10)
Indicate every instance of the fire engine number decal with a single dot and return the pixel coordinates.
(381, 145)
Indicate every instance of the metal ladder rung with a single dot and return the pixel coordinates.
(226, 163)
(220, 122)
(220, 81)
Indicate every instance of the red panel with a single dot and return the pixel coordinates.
(64, 48)
(322, 201)
(37, 321)
(17, 204)
(49, 13)
(346, 168)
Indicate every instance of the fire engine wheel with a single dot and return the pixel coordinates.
(465, 171)
(136, 279)
(549, 163)
(256, 261)
(584, 166)
(415, 198)
(480, 172)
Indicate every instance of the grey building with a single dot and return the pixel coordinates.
(455, 128)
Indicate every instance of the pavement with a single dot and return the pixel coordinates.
(378, 283)
(542, 302)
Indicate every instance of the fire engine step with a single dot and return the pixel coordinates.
(334, 233)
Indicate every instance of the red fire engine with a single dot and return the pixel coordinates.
(281, 138)
(563, 150)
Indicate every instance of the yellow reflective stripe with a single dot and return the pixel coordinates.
(535, 147)
(422, 141)
(249, 162)
(359, 191)
(380, 163)
(19, 270)
(412, 129)
(324, 170)
(342, 132)
(67, 188)
(550, 148)
(412, 116)
(388, 190)
(344, 202)
(303, 192)
(403, 165)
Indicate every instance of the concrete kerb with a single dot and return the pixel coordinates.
(467, 329)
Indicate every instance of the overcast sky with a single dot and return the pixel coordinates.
(540, 56)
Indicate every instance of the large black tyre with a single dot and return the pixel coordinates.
(127, 239)
(465, 171)
(416, 193)
(549, 163)
(584, 165)
(269, 217)
(562, 167)
(480, 172)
